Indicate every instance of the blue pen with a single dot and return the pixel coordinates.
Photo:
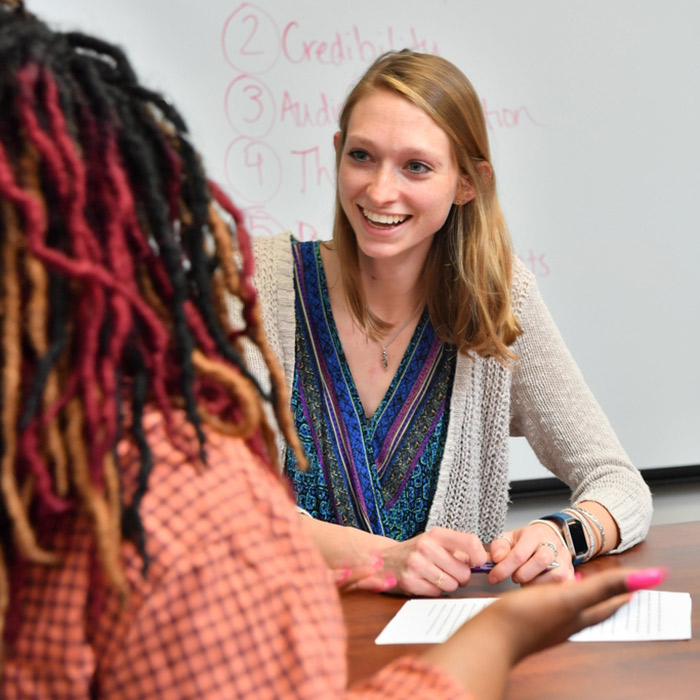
(483, 569)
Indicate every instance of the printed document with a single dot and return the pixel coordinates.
(650, 615)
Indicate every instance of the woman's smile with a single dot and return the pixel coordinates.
(389, 220)
(398, 177)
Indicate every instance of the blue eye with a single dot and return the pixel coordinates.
(359, 155)
(418, 168)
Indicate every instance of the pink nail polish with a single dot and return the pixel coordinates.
(648, 578)
(578, 575)
(389, 582)
(343, 576)
(377, 563)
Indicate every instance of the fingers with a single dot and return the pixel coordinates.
(431, 570)
(424, 585)
(537, 617)
(646, 578)
(595, 598)
(604, 585)
(377, 583)
(619, 579)
(452, 553)
(534, 556)
(546, 564)
(602, 611)
(369, 576)
(465, 544)
(501, 546)
(435, 561)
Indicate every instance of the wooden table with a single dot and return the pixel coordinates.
(571, 671)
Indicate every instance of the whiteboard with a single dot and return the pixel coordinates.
(592, 108)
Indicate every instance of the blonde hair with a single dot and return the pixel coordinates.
(467, 274)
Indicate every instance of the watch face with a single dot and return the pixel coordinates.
(578, 536)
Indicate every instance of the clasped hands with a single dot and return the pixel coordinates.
(441, 560)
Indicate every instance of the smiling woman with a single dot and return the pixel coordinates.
(415, 343)
(397, 181)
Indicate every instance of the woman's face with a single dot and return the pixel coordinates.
(397, 177)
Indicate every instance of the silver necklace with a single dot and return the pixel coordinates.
(384, 346)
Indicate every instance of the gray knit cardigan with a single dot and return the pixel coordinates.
(543, 397)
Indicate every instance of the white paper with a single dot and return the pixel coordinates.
(650, 615)
(430, 620)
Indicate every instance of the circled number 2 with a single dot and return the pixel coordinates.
(250, 39)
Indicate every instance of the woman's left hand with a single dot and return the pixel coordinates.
(530, 554)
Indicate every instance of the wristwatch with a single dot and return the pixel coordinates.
(574, 534)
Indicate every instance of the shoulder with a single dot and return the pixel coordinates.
(271, 250)
(226, 537)
(191, 507)
(523, 285)
(273, 266)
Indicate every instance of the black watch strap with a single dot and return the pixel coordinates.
(574, 535)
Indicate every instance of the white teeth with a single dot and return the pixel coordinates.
(383, 218)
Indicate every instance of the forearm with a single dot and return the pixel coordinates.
(478, 657)
(568, 430)
(343, 546)
(481, 653)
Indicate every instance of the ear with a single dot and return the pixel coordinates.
(466, 190)
(336, 140)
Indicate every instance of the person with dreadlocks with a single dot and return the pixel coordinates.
(150, 548)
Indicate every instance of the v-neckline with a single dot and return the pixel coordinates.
(370, 422)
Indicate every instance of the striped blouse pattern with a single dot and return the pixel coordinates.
(377, 473)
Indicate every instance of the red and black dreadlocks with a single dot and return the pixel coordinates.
(116, 257)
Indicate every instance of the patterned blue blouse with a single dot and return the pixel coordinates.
(378, 473)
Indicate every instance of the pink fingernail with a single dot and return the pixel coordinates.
(389, 582)
(578, 575)
(343, 576)
(648, 578)
(377, 563)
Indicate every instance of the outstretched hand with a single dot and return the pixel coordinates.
(481, 653)
(538, 617)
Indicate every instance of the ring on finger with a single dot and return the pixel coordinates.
(438, 581)
(505, 537)
(552, 546)
(553, 565)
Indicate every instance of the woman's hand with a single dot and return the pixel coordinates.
(435, 561)
(531, 554)
(481, 653)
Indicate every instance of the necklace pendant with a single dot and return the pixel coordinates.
(385, 359)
